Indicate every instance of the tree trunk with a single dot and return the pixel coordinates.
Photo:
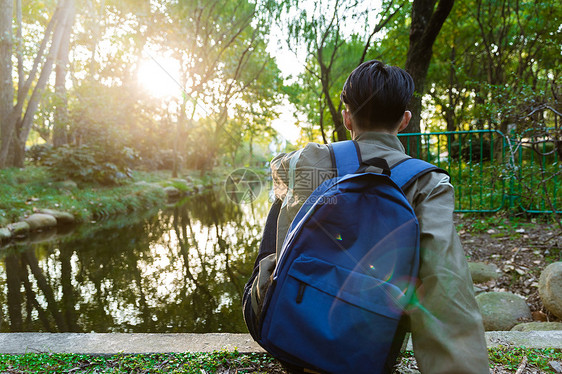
(11, 122)
(32, 301)
(13, 282)
(33, 104)
(68, 299)
(42, 283)
(340, 131)
(60, 129)
(15, 129)
(6, 83)
(426, 25)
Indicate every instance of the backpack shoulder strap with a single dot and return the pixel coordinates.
(346, 157)
(408, 170)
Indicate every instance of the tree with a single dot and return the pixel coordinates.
(488, 74)
(17, 124)
(331, 54)
(6, 82)
(61, 114)
(426, 23)
(223, 62)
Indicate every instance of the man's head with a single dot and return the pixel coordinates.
(376, 96)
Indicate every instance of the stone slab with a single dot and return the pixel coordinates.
(113, 343)
(529, 339)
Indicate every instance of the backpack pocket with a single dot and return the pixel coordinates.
(319, 305)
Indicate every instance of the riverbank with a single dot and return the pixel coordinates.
(33, 201)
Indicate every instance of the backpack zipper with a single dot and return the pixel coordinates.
(300, 294)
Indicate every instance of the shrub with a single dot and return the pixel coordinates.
(84, 164)
(38, 153)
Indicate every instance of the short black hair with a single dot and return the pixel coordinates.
(377, 95)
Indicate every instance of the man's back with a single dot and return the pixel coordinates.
(447, 330)
(446, 325)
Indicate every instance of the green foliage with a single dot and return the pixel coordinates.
(154, 363)
(24, 191)
(492, 172)
(99, 204)
(484, 74)
(20, 190)
(36, 154)
(84, 164)
(510, 358)
(501, 358)
(225, 71)
(332, 52)
(490, 74)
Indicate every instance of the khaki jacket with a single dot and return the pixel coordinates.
(447, 330)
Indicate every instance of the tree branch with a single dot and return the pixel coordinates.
(25, 124)
(378, 28)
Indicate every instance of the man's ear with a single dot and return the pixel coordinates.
(347, 119)
(405, 120)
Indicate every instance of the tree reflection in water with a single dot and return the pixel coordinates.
(180, 270)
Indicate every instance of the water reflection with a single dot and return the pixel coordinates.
(179, 270)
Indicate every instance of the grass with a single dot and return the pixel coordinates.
(504, 223)
(502, 359)
(215, 362)
(489, 187)
(24, 191)
(489, 180)
(512, 358)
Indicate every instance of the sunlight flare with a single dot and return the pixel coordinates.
(159, 76)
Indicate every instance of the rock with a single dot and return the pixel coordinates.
(172, 191)
(41, 236)
(5, 234)
(3, 221)
(40, 221)
(502, 310)
(61, 217)
(481, 272)
(19, 228)
(556, 366)
(538, 326)
(550, 288)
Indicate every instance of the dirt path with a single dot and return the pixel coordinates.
(520, 248)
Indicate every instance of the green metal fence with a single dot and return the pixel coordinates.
(491, 171)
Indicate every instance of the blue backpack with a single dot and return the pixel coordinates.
(346, 271)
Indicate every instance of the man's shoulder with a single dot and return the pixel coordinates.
(310, 155)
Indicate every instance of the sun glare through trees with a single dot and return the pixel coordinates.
(224, 82)
(159, 76)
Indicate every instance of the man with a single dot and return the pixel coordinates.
(446, 325)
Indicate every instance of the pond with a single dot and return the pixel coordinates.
(181, 269)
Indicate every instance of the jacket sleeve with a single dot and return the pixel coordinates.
(447, 330)
(280, 174)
